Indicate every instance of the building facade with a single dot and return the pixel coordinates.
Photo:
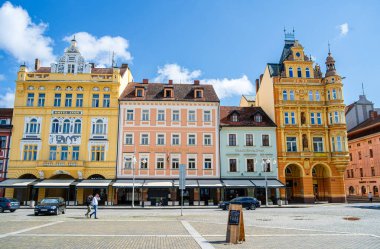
(248, 154)
(363, 172)
(161, 127)
(308, 109)
(5, 142)
(65, 118)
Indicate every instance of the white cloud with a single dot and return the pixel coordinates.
(22, 38)
(343, 29)
(2, 77)
(7, 99)
(99, 50)
(224, 87)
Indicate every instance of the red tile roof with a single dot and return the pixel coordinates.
(245, 116)
(368, 127)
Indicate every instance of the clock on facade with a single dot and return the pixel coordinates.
(298, 54)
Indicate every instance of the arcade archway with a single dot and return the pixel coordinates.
(293, 179)
(321, 182)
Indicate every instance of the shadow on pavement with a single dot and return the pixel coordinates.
(376, 207)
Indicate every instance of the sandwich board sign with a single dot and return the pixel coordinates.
(235, 226)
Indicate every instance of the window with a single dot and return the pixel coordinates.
(3, 142)
(286, 117)
(207, 163)
(334, 94)
(64, 152)
(312, 118)
(139, 93)
(53, 153)
(317, 96)
(373, 171)
(350, 156)
(175, 163)
(250, 165)
(293, 118)
(369, 141)
(191, 139)
(266, 165)
(370, 153)
(99, 127)
(231, 139)
(360, 155)
(129, 115)
(128, 139)
(75, 156)
(207, 116)
(95, 100)
(160, 139)
(160, 163)
(207, 139)
(30, 152)
(265, 140)
(69, 100)
(79, 100)
(299, 72)
(168, 93)
(161, 115)
(175, 115)
(234, 118)
(290, 72)
(57, 99)
(77, 126)
(284, 95)
(248, 139)
(339, 143)
(258, 118)
(318, 144)
(291, 95)
(41, 99)
(336, 117)
(291, 144)
(307, 72)
(145, 115)
(33, 127)
(361, 172)
(144, 139)
(232, 164)
(333, 143)
(198, 94)
(66, 126)
(144, 162)
(128, 162)
(191, 116)
(55, 126)
(191, 163)
(319, 118)
(328, 95)
(106, 100)
(311, 97)
(30, 100)
(330, 118)
(97, 153)
(175, 139)
(70, 68)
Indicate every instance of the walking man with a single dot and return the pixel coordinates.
(94, 203)
(370, 196)
(88, 204)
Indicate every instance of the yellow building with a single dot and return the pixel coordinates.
(311, 129)
(65, 129)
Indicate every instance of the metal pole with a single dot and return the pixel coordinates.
(181, 201)
(266, 191)
(133, 183)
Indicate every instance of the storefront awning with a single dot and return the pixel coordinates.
(93, 184)
(238, 183)
(56, 183)
(189, 183)
(127, 184)
(272, 183)
(158, 184)
(210, 183)
(16, 183)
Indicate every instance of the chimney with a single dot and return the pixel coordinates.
(124, 65)
(145, 81)
(373, 114)
(261, 77)
(170, 82)
(37, 64)
(257, 85)
(196, 82)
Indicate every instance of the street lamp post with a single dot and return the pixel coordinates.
(133, 180)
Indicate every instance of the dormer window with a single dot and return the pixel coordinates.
(168, 93)
(234, 117)
(198, 93)
(258, 118)
(139, 92)
(70, 68)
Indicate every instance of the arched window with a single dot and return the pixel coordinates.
(55, 126)
(77, 126)
(33, 127)
(307, 72)
(66, 126)
(290, 72)
(311, 96)
(291, 95)
(99, 127)
(334, 94)
(299, 73)
(284, 95)
(317, 96)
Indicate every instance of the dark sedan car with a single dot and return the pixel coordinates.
(246, 202)
(9, 204)
(50, 205)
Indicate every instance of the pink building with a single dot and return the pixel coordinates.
(160, 127)
(363, 173)
(5, 141)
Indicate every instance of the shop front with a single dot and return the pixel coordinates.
(273, 187)
(123, 191)
(158, 192)
(210, 192)
(56, 188)
(93, 187)
(237, 188)
(22, 190)
(190, 193)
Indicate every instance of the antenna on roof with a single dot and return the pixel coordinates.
(113, 58)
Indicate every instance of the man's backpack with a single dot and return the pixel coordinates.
(89, 199)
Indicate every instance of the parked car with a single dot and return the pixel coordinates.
(9, 204)
(246, 202)
(50, 205)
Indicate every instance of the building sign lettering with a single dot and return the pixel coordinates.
(67, 112)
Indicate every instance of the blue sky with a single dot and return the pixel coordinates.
(226, 43)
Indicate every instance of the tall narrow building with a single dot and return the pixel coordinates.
(308, 109)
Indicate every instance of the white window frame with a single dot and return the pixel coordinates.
(319, 144)
(179, 139)
(160, 156)
(125, 138)
(188, 139)
(204, 139)
(179, 115)
(236, 139)
(128, 113)
(143, 114)
(141, 137)
(245, 139)
(205, 115)
(161, 115)
(269, 140)
(160, 134)
(191, 156)
(175, 156)
(246, 165)
(190, 114)
(204, 161)
(237, 165)
(141, 158)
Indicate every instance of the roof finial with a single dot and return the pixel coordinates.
(113, 58)
(363, 88)
(293, 31)
(328, 43)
